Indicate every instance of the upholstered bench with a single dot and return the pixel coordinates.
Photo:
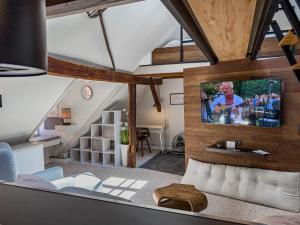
(266, 187)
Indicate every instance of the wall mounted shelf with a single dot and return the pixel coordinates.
(238, 152)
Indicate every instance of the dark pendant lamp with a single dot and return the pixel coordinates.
(23, 38)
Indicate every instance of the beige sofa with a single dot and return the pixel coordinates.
(266, 187)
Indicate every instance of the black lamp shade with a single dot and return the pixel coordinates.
(23, 49)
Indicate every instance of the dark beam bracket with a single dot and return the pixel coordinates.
(287, 49)
(106, 39)
(291, 15)
(181, 45)
(178, 9)
(155, 97)
(270, 7)
(298, 3)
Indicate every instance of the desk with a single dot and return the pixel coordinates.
(47, 141)
(156, 129)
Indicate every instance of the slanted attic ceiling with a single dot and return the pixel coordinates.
(133, 30)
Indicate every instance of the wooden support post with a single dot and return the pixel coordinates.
(155, 97)
(132, 125)
(268, 11)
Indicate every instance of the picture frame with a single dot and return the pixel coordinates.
(177, 99)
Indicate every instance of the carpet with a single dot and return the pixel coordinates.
(167, 163)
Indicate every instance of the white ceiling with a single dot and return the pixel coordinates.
(133, 30)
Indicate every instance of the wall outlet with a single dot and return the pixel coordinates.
(238, 142)
(230, 144)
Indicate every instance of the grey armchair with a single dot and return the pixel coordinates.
(52, 178)
(9, 170)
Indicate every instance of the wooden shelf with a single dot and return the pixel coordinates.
(241, 151)
(109, 151)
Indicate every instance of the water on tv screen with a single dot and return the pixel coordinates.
(242, 102)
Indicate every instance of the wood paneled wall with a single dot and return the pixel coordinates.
(191, 53)
(283, 143)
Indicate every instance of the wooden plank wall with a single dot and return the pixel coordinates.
(283, 143)
(226, 24)
(269, 48)
(172, 55)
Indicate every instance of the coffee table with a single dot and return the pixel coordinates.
(180, 196)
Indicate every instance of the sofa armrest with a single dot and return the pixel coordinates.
(51, 174)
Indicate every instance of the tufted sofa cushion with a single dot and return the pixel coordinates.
(267, 187)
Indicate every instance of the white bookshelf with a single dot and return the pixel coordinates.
(103, 146)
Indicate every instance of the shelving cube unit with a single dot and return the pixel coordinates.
(103, 146)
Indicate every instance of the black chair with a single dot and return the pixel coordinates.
(142, 135)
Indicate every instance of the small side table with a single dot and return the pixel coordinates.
(180, 196)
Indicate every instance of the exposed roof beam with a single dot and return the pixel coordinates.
(58, 67)
(106, 39)
(181, 14)
(226, 25)
(57, 8)
(269, 9)
(174, 75)
(155, 97)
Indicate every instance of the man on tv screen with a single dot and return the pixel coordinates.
(242, 102)
(227, 105)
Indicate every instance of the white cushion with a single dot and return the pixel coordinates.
(267, 187)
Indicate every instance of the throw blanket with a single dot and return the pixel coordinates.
(280, 220)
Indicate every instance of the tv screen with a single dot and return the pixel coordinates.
(242, 102)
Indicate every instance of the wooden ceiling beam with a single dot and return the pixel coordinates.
(226, 24)
(62, 68)
(178, 9)
(106, 39)
(57, 8)
(174, 75)
(269, 9)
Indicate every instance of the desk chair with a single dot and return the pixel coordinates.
(142, 134)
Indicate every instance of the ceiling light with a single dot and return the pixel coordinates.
(23, 38)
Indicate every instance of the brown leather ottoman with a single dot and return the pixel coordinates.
(180, 196)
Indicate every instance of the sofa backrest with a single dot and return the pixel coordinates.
(267, 187)
(8, 165)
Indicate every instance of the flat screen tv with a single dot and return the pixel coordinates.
(242, 102)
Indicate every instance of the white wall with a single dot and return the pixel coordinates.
(81, 109)
(172, 116)
(25, 103)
